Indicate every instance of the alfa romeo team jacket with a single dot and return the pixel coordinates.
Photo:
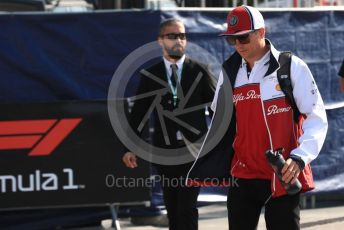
(264, 120)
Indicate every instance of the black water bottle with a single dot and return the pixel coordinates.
(277, 162)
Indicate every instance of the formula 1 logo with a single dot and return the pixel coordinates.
(41, 136)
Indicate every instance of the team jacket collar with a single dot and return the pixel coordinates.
(273, 65)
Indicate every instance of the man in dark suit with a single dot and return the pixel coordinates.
(189, 87)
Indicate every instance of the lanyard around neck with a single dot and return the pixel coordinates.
(173, 89)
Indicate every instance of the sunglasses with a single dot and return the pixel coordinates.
(174, 36)
(243, 39)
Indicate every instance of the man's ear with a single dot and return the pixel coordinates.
(262, 32)
(160, 41)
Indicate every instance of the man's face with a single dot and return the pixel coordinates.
(173, 40)
(249, 47)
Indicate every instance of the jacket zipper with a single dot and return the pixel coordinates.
(234, 167)
(270, 139)
(199, 153)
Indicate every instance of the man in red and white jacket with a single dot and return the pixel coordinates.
(264, 120)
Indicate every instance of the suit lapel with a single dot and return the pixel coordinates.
(160, 71)
(188, 76)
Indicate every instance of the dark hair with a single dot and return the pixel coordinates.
(168, 22)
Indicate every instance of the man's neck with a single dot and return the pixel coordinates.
(172, 59)
(262, 51)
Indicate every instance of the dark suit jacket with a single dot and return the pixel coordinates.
(202, 93)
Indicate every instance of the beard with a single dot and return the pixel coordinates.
(176, 51)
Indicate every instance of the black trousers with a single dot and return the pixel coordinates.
(246, 200)
(180, 201)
